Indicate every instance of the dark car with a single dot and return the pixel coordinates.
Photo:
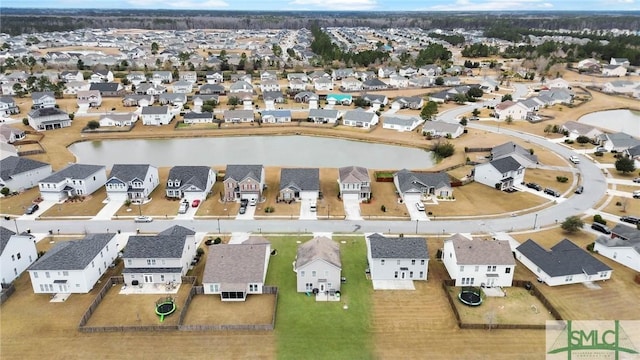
(636, 180)
(244, 202)
(534, 186)
(552, 192)
(243, 209)
(630, 219)
(601, 228)
(579, 189)
(32, 209)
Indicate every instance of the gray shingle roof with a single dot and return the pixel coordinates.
(14, 165)
(626, 232)
(128, 172)
(73, 171)
(5, 235)
(168, 244)
(397, 248)
(359, 115)
(621, 140)
(37, 95)
(239, 172)
(195, 115)
(440, 126)
(236, 263)
(506, 164)
(353, 174)
(277, 113)
(300, 179)
(401, 120)
(318, 248)
(189, 175)
(481, 252)
(510, 147)
(74, 254)
(323, 113)
(36, 113)
(177, 230)
(410, 181)
(564, 258)
(105, 87)
(155, 110)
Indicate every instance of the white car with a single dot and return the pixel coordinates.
(143, 219)
(574, 159)
(420, 206)
(253, 202)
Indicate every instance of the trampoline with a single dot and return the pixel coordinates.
(165, 307)
(470, 296)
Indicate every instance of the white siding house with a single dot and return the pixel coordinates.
(515, 110)
(500, 174)
(131, 182)
(401, 123)
(17, 253)
(73, 180)
(156, 115)
(397, 258)
(190, 182)
(318, 266)
(622, 247)
(19, 173)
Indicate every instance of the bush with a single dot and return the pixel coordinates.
(597, 218)
(269, 209)
(568, 141)
(93, 124)
(127, 203)
(200, 251)
(25, 121)
(444, 150)
(383, 208)
(5, 191)
(217, 241)
(590, 247)
(598, 153)
(562, 179)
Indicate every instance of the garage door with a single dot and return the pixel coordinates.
(411, 198)
(350, 197)
(249, 196)
(309, 195)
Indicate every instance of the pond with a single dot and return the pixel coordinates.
(627, 121)
(290, 150)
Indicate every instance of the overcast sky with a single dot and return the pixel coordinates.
(378, 5)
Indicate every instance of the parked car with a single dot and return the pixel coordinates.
(244, 202)
(195, 203)
(630, 219)
(601, 228)
(579, 189)
(143, 219)
(552, 192)
(253, 202)
(636, 180)
(243, 209)
(636, 194)
(32, 209)
(574, 159)
(601, 149)
(534, 186)
(420, 206)
(184, 206)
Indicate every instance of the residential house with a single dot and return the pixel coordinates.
(431, 70)
(397, 258)
(576, 129)
(297, 85)
(147, 262)
(74, 266)
(8, 88)
(354, 183)
(398, 81)
(199, 100)
(73, 180)
(617, 142)
(299, 184)
(182, 87)
(136, 78)
(407, 71)
(138, 100)
(614, 70)
(190, 76)
(19, 173)
(631, 88)
(324, 116)
(511, 110)
(271, 98)
(323, 84)
(198, 118)
(386, 71)
(17, 253)
(440, 97)
(401, 122)
(214, 77)
(619, 61)
(522, 155)
(451, 81)
(99, 76)
(298, 76)
(564, 263)
(236, 270)
(133, 182)
(90, 98)
(591, 65)
(306, 97)
(48, 119)
(489, 85)
(8, 106)
(374, 84)
(375, 100)
(175, 99)
(269, 85)
(478, 262)
(212, 89)
(339, 74)
(442, 129)
(126, 119)
(558, 83)
(69, 76)
(276, 116)
(238, 116)
(156, 115)
(413, 186)
(241, 86)
(9, 134)
(634, 153)
(623, 246)
(161, 77)
(318, 266)
(339, 99)
(268, 75)
(43, 99)
(190, 182)
(240, 76)
(360, 118)
(407, 102)
(351, 84)
(150, 89)
(243, 182)
(501, 174)
(111, 89)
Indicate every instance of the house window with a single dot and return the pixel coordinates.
(129, 262)
(313, 273)
(15, 271)
(13, 258)
(398, 262)
(326, 273)
(308, 286)
(461, 268)
(491, 268)
(538, 269)
(65, 273)
(211, 288)
(413, 262)
(477, 268)
(302, 273)
(93, 264)
(395, 274)
(421, 274)
(151, 261)
(46, 274)
(569, 278)
(18, 256)
(603, 274)
(161, 278)
(422, 262)
(507, 270)
(381, 261)
(35, 274)
(216, 288)
(411, 274)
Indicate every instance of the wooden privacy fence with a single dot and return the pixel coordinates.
(7, 291)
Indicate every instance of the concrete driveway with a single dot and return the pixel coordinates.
(351, 208)
(415, 213)
(305, 210)
(44, 206)
(110, 208)
(248, 215)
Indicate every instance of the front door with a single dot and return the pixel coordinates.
(148, 278)
(402, 274)
(322, 287)
(62, 288)
(490, 282)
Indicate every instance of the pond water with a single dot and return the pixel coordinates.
(291, 150)
(627, 121)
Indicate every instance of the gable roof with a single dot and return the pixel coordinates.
(108, 87)
(129, 172)
(440, 126)
(510, 147)
(397, 247)
(155, 110)
(481, 252)
(195, 115)
(564, 258)
(323, 113)
(506, 164)
(236, 264)
(73, 171)
(5, 235)
(359, 115)
(197, 176)
(240, 172)
(168, 244)
(353, 174)
(318, 248)
(74, 254)
(14, 165)
(300, 179)
(409, 181)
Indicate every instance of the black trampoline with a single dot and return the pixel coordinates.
(470, 296)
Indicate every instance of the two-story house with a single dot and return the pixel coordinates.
(159, 259)
(243, 182)
(89, 98)
(73, 180)
(49, 118)
(397, 258)
(100, 76)
(17, 253)
(132, 182)
(318, 266)
(43, 99)
(8, 106)
(478, 262)
(354, 183)
(190, 182)
(20, 173)
(156, 115)
(74, 266)
(500, 174)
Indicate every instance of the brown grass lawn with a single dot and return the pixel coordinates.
(384, 193)
(210, 310)
(16, 205)
(547, 178)
(628, 206)
(515, 308)
(330, 205)
(213, 206)
(90, 205)
(135, 310)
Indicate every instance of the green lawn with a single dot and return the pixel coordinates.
(322, 330)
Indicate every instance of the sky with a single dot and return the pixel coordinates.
(331, 5)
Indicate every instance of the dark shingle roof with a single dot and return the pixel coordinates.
(5, 235)
(128, 172)
(13, 165)
(564, 258)
(102, 87)
(155, 110)
(239, 172)
(236, 264)
(190, 175)
(195, 115)
(506, 164)
(73, 255)
(73, 171)
(397, 248)
(168, 244)
(410, 181)
(300, 179)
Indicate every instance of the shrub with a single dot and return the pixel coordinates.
(562, 179)
(598, 153)
(217, 241)
(5, 191)
(200, 251)
(444, 150)
(597, 218)
(269, 209)
(25, 121)
(93, 124)
(127, 203)
(383, 208)
(590, 247)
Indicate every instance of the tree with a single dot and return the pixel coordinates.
(154, 48)
(80, 64)
(443, 149)
(572, 224)
(509, 120)
(93, 124)
(506, 97)
(625, 165)
(460, 98)
(475, 112)
(429, 110)
(360, 102)
(277, 50)
(439, 81)
(583, 139)
(475, 92)
(463, 121)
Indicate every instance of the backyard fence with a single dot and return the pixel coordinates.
(94, 305)
(7, 291)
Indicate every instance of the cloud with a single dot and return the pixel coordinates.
(467, 5)
(179, 4)
(334, 4)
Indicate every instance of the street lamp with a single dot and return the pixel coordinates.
(218, 225)
(416, 226)
(535, 220)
